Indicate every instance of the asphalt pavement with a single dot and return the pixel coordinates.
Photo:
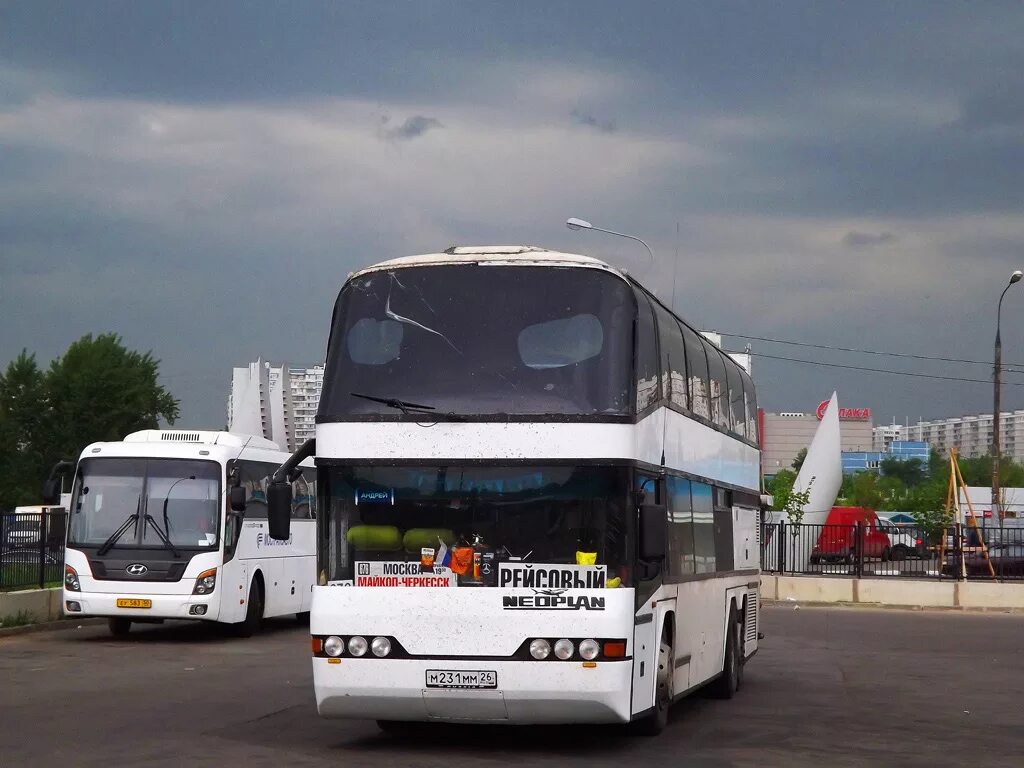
(836, 687)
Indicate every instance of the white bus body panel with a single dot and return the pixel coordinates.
(466, 623)
(690, 446)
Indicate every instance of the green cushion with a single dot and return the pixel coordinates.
(384, 538)
(417, 538)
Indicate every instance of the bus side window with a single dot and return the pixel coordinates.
(254, 476)
(303, 496)
(697, 372)
(719, 386)
(703, 528)
(647, 367)
(673, 358)
(750, 399)
(680, 556)
(739, 418)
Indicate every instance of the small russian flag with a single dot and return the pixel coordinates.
(443, 556)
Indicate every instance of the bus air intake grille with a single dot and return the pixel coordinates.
(180, 437)
(751, 619)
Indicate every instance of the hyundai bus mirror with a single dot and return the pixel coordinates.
(652, 532)
(279, 510)
(236, 498)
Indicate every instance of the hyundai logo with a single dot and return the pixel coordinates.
(137, 569)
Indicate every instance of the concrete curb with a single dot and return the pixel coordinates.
(49, 626)
(886, 607)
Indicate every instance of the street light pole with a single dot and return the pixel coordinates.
(578, 224)
(996, 416)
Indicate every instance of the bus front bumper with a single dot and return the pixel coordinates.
(161, 606)
(526, 693)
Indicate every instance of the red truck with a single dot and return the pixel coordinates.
(838, 538)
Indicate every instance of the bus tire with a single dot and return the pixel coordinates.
(253, 611)
(119, 627)
(728, 682)
(655, 723)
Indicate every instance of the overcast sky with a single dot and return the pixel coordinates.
(201, 177)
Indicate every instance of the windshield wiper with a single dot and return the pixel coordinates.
(409, 409)
(160, 532)
(391, 402)
(112, 539)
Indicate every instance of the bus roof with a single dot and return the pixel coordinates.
(206, 437)
(493, 254)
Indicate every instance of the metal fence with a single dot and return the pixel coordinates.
(32, 549)
(864, 550)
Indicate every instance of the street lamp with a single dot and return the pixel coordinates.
(578, 224)
(997, 371)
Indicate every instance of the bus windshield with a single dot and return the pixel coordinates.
(481, 340)
(176, 497)
(387, 521)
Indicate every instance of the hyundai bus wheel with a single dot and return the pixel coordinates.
(119, 627)
(253, 612)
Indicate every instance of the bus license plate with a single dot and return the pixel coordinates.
(461, 678)
(132, 602)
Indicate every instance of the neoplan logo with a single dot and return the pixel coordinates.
(552, 600)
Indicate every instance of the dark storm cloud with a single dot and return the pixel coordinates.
(201, 177)
(588, 120)
(413, 127)
(867, 239)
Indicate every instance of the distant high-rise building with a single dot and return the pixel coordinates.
(972, 435)
(277, 402)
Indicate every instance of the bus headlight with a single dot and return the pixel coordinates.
(540, 649)
(589, 649)
(334, 646)
(381, 647)
(357, 646)
(205, 582)
(564, 649)
(71, 582)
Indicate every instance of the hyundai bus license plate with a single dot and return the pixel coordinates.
(461, 678)
(132, 602)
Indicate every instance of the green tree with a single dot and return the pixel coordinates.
(864, 491)
(910, 472)
(22, 436)
(781, 487)
(798, 461)
(98, 390)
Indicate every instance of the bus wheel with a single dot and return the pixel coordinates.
(119, 627)
(729, 681)
(655, 722)
(253, 612)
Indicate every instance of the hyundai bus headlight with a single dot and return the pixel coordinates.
(540, 649)
(205, 582)
(357, 646)
(334, 646)
(589, 649)
(381, 647)
(564, 649)
(71, 582)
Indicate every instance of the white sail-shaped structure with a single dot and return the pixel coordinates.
(822, 472)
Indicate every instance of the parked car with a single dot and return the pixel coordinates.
(880, 538)
(1007, 560)
(904, 541)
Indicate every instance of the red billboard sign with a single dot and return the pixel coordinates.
(846, 414)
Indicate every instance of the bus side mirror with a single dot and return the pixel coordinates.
(652, 532)
(236, 497)
(279, 510)
(51, 492)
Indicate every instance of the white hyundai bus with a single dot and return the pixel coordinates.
(172, 524)
(538, 497)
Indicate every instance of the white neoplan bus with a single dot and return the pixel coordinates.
(172, 524)
(538, 497)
